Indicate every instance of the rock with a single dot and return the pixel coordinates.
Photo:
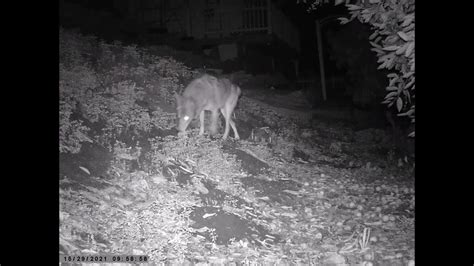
(334, 259)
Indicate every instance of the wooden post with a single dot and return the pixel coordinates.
(321, 59)
(269, 16)
(295, 63)
(189, 20)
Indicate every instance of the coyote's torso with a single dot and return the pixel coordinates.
(211, 94)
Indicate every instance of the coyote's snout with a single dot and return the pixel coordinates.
(212, 94)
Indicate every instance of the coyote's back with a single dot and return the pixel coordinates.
(208, 93)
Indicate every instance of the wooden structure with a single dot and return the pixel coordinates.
(212, 18)
(319, 37)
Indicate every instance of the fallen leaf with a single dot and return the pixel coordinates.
(85, 170)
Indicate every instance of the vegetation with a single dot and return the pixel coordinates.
(103, 86)
(294, 189)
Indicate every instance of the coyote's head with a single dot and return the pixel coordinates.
(186, 109)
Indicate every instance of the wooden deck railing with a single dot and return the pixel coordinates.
(251, 16)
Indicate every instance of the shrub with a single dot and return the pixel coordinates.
(112, 89)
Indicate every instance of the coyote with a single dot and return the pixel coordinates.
(212, 94)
